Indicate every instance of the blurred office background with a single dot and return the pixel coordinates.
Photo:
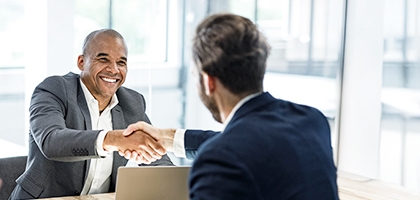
(357, 61)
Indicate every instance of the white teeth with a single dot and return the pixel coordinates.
(109, 80)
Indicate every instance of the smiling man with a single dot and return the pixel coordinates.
(76, 124)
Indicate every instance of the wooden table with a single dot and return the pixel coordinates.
(350, 187)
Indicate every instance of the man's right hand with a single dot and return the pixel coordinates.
(144, 148)
(164, 137)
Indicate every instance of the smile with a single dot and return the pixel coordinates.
(109, 80)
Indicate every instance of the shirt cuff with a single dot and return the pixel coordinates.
(179, 146)
(99, 143)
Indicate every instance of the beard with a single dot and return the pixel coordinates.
(209, 102)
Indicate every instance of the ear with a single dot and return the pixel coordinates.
(209, 83)
(80, 62)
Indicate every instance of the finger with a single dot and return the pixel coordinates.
(127, 155)
(157, 150)
(151, 146)
(134, 155)
(154, 149)
(147, 156)
(149, 129)
(156, 154)
(133, 127)
(147, 159)
(140, 160)
(122, 153)
(142, 126)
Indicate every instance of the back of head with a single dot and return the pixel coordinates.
(231, 48)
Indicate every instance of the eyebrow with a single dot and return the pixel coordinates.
(105, 54)
(102, 54)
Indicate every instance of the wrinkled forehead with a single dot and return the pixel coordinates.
(109, 44)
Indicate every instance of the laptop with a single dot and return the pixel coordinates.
(152, 182)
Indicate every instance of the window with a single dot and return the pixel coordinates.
(12, 34)
(400, 123)
(306, 41)
(12, 100)
(143, 25)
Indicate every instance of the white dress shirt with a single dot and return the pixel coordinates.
(179, 146)
(100, 169)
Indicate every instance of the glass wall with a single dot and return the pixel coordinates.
(306, 40)
(12, 88)
(400, 124)
(138, 21)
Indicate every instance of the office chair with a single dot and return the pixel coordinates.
(10, 169)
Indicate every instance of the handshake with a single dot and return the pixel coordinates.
(140, 142)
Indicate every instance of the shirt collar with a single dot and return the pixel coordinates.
(90, 99)
(237, 106)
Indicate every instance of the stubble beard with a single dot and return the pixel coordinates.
(210, 103)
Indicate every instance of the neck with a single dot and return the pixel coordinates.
(102, 104)
(226, 102)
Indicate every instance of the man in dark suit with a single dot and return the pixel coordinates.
(269, 148)
(75, 121)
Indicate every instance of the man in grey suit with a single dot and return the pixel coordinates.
(76, 124)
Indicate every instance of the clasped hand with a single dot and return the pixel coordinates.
(146, 143)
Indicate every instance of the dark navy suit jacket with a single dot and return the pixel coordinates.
(271, 149)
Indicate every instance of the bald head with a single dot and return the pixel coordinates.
(102, 32)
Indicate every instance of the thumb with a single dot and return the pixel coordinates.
(132, 128)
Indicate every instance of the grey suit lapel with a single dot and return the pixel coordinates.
(118, 121)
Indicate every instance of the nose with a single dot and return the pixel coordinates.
(113, 68)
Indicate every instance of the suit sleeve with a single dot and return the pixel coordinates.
(193, 139)
(219, 174)
(48, 125)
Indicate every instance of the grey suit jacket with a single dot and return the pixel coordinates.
(61, 139)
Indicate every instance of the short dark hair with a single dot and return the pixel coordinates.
(110, 32)
(231, 48)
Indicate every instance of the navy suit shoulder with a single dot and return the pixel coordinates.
(271, 149)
